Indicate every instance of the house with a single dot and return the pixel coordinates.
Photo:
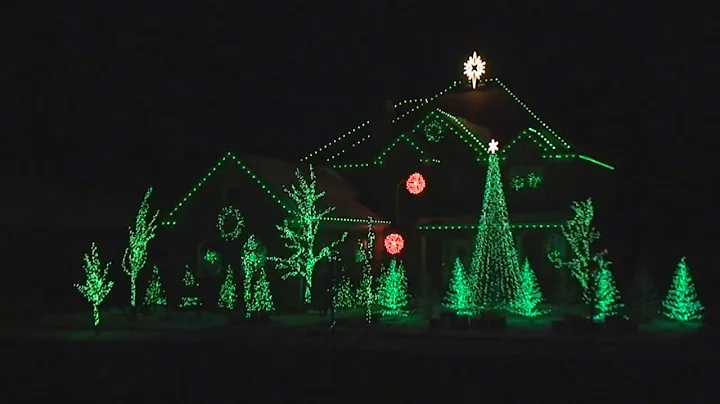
(253, 186)
(445, 138)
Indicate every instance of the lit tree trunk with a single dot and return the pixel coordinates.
(307, 286)
(133, 290)
(96, 315)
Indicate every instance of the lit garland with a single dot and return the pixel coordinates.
(135, 256)
(392, 290)
(529, 293)
(228, 290)
(191, 285)
(96, 286)
(300, 234)
(365, 296)
(434, 132)
(459, 297)
(602, 295)
(494, 269)
(681, 302)
(155, 293)
(256, 287)
(226, 213)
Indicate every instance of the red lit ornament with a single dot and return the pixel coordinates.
(415, 183)
(394, 243)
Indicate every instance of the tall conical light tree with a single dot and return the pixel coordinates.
(135, 256)
(529, 294)
(300, 233)
(228, 290)
(681, 302)
(494, 269)
(602, 295)
(459, 297)
(155, 293)
(96, 286)
(392, 291)
(256, 287)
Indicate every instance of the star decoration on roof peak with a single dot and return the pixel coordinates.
(493, 148)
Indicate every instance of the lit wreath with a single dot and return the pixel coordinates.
(239, 223)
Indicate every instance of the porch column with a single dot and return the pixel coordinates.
(519, 246)
(423, 269)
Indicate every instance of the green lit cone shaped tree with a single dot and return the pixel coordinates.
(344, 297)
(256, 293)
(682, 303)
(392, 290)
(96, 286)
(529, 293)
(155, 293)
(135, 256)
(300, 233)
(460, 295)
(602, 295)
(191, 298)
(494, 269)
(228, 290)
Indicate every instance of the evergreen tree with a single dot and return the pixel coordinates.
(256, 287)
(300, 233)
(459, 297)
(494, 269)
(228, 290)
(681, 302)
(392, 293)
(191, 286)
(155, 293)
(344, 297)
(529, 294)
(96, 286)
(602, 295)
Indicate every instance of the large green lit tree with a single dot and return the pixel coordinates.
(602, 295)
(256, 287)
(155, 293)
(135, 256)
(682, 303)
(494, 269)
(300, 233)
(460, 295)
(529, 293)
(228, 290)
(392, 290)
(96, 286)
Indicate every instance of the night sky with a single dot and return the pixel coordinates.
(112, 98)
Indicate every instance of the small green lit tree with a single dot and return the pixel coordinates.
(344, 297)
(135, 256)
(459, 297)
(256, 287)
(682, 303)
(529, 293)
(96, 286)
(228, 290)
(602, 295)
(155, 293)
(191, 286)
(392, 290)
(300, 233)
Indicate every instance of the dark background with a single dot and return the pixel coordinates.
(111, 98)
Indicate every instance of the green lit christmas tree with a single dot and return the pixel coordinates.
(392, 291)
(529, 293)
(96, 286)
(155, 293)
(135, 256)
(682, 303)
(228, 290)
(191, 285)
(344, 297)
(300, 233)
(602, 295)
(460, 295)
(365, 295)
(256, 287)
(494, 269)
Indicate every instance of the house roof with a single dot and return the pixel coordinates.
(273, 175)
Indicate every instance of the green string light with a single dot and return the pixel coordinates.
(256, 287)
(529, 293)
(234, 232)
(155, 293)
(228, 290)
(135, 256)
(460, 296)
(191, 286)
(681, 303)
(96, 286)
(392, 290)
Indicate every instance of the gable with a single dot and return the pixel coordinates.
(405, 139)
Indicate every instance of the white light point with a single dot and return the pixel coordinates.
(493, 148)
(474, 68)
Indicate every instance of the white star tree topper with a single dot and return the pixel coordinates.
(474, 68)
(493, 148)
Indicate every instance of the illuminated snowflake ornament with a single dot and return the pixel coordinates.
(493, 148)
(474, 68)
(394, 243)
(415, 183)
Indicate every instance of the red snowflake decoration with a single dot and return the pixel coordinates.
(415, 183)
(394, 243)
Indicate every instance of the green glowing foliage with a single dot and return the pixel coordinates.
(212, 257)
(155, 293)
(191, 285)
(236, 222)
(300, 233)
(135, 256)
(459, 297)
(681, 302)
(392, 291)
(529, 294)
(602, 296)
(228, 290)
(494, 269)
(580, 234)
(364, 295)
(96, 286)
(256, 287)
(345, 294)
